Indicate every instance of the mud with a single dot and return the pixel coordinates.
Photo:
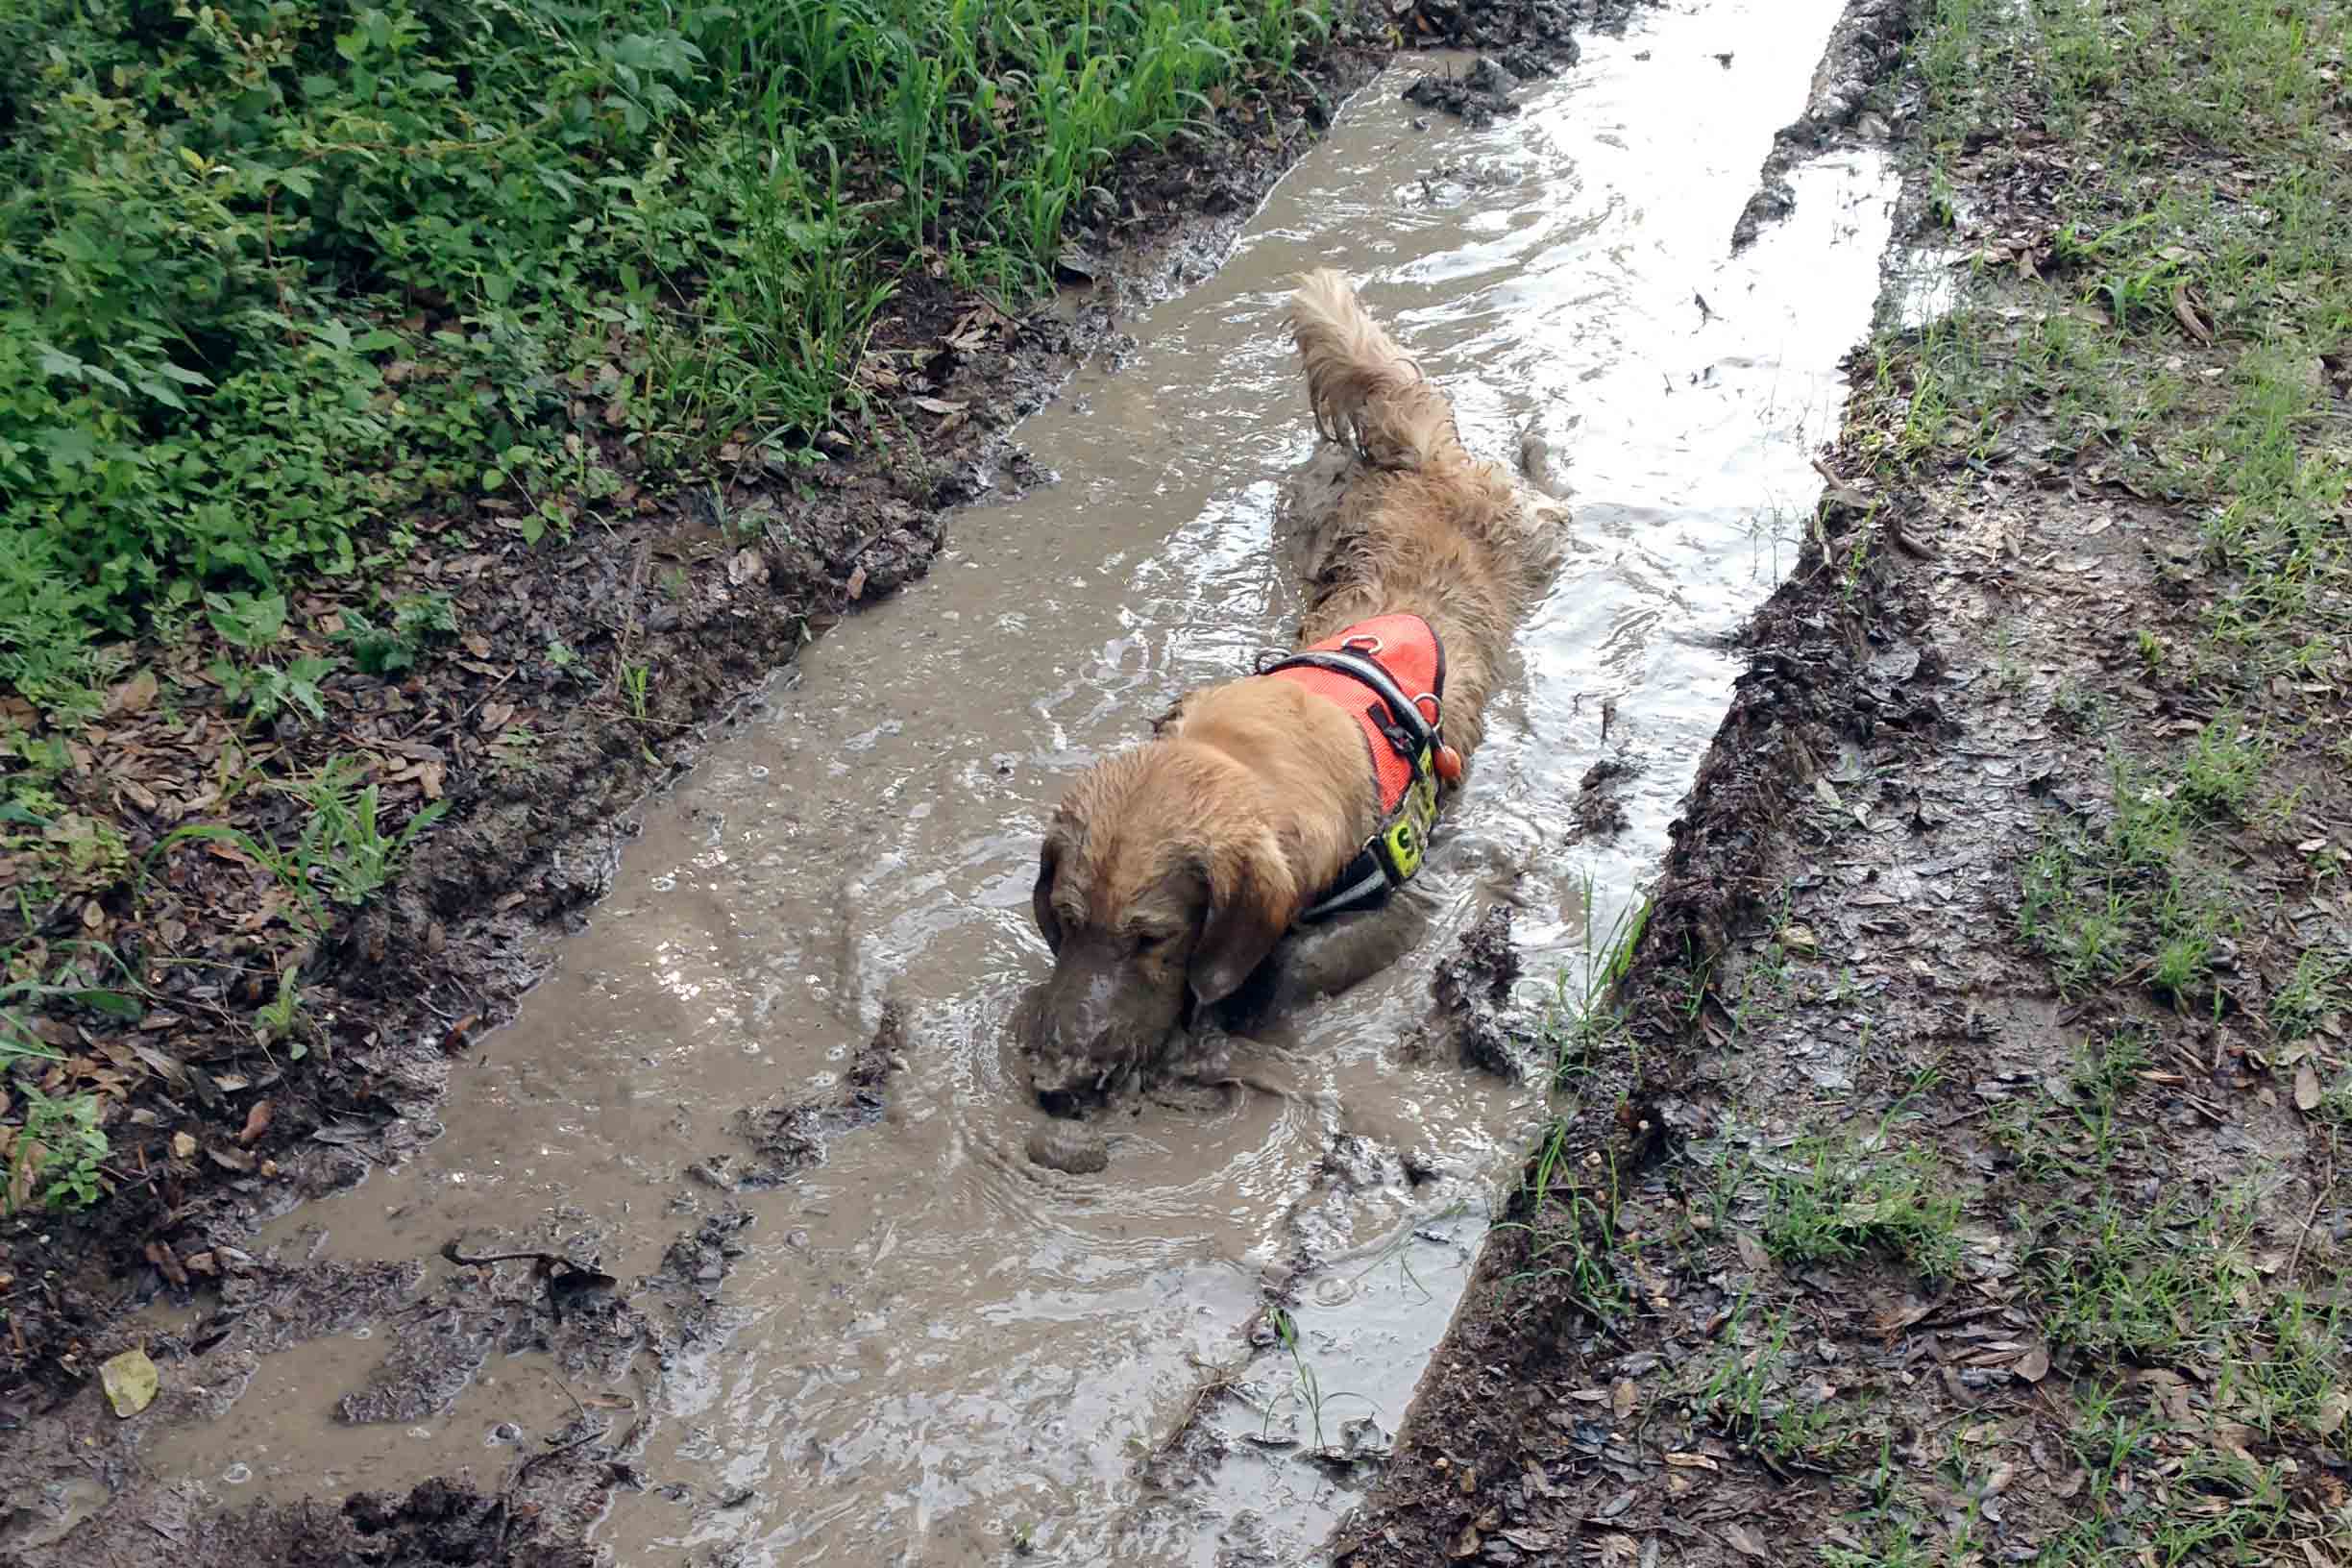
(789, 1248)
(1537, 1427)
(1478, 96)
(1851, 102)
(1598, 812)
(542, 763)
(1072, 1150)
(1473, 990)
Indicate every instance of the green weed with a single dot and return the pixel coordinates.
(54, 1152)
(342, 855)
(276, 274)
(1841, 1204)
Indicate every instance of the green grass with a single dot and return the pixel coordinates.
(1842, 1204)
(2148, 892)
(343, 854)
(279, 278)
(2151, 339)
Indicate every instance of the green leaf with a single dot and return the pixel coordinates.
(114, 1004)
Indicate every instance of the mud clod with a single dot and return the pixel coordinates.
(1597, 811)
(1480, 96)
(787, 1139)
(1472, 986)
(1864, 50)
(1075, 1150)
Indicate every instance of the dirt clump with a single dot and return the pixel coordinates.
(1598, 813)
(1478, 96)
(1473, 989)
(1071, 1149)
(788, 1137)
(1851, 100)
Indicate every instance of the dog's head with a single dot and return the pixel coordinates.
(1159, 889)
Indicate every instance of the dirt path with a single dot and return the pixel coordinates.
(1951, 1173)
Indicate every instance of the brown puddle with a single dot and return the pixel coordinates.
(929, 1350)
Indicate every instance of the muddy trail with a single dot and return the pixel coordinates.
(744, 1240)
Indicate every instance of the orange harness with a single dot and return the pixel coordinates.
(1399, 661)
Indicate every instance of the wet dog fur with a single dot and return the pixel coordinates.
(1172, 871)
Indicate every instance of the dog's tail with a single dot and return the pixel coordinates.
(1364, 389)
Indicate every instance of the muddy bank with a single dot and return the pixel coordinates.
(1952, 1171)
(1556, 1409)
(1855, 100)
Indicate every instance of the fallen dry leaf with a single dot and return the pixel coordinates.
(1742, 1540)
(2185, 311)
(1751, 1250)
(131, 1381)
(2034, 1366)
(182, 1146)
(133, 696)
(256, 1122)
(2307, 1089)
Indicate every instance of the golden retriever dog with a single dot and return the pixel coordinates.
(1302, 793)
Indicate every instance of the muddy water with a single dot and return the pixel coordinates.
(931, 1351)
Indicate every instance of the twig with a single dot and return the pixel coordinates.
(2327, 1184)
(542, 1259)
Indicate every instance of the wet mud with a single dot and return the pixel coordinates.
(1478, 96)
(541, 763)
(1852, 102)
(637, 1215)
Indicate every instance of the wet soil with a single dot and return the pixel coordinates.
(582, 673)
(1835, 991)
(1856, 99)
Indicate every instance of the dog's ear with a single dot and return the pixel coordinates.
(1251, 899)
(1040, 897)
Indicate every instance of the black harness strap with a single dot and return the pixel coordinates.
(1364, 882)
(1407, 730)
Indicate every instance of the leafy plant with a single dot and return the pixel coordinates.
(342, 855)
(266, 690)
(55, 1153)
(249, 621)
(275, 275)
(418, 619)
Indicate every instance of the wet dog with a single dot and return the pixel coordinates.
(1301, 796)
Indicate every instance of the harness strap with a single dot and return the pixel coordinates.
(1409, 729)
(1394, 853)
(1363, 885)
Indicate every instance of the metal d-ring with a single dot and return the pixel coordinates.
(1437, 713)
(1363, 642)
